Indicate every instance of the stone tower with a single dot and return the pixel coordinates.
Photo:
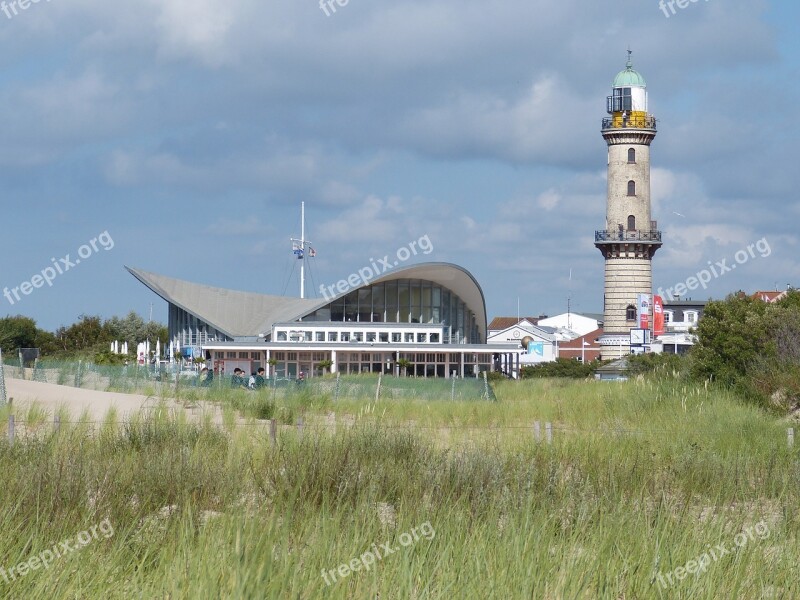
(630, 237)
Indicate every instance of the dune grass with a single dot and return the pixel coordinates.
(641, 479)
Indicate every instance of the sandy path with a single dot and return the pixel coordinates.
(51, 397)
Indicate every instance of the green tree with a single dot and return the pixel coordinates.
(89, 334)
(17, 332)
(753, 347)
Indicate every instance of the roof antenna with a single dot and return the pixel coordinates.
(630, 61)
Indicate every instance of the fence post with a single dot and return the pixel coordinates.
(3, 394)
(79, 375)
(10, 430)
(336, 391)
(548, 427)
(273, 431)
(56, 423)
(378, 390)
(790, 434)
(453, 389)
(537, 431)
(300, 427)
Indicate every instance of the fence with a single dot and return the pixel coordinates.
(149, 380)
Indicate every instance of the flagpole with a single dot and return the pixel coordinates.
(303, 248)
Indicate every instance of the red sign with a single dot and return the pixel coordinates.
(658, 316)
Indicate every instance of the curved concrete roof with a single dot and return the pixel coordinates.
(245, 314)
(236, 314)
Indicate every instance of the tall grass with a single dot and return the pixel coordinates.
(640, 479)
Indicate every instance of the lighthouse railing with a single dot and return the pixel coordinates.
(634, 235)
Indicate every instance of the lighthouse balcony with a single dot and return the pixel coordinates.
(632, 235)
(630, 121)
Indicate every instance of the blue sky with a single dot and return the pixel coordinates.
(191, 132)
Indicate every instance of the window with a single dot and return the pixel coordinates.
(621, 100)
(631, 223)
(631, 188)
(630, 313)
(667, 316)
(281, 336)
(422, 338)
(434, 338)
(320, 336)
(690, 316)
(396, 337)
(333, 336)
(244, 355)
(371, 336)
(409, 337)
(631, 156)
(358, 336)
(384, 337)
(231, 355)
(345, 336)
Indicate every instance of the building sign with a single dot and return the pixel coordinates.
(639, 338)
(536, 348)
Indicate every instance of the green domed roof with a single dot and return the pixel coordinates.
(629, 77)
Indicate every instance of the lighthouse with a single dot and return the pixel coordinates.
(630, 237)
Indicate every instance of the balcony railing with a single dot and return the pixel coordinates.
(634, 235)
(633, 122)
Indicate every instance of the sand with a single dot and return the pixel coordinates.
(96, 404)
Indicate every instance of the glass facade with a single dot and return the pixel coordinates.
(188, 330)
(405, 301)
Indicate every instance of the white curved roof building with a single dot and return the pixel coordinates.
(431, 314)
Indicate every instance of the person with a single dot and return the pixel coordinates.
(206, 377)
(238, 381)
(251, 383)
(261, 381)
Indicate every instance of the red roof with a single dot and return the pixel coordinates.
(769, 297)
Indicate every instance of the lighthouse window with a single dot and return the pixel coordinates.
(622, 100)
(631, 188)
(630, 313)
(631, 155)
(631, 222)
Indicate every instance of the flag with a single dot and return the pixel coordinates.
(658, 316)
(644, 311)
(312, 253)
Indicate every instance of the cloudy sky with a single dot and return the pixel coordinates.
(190, 131)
